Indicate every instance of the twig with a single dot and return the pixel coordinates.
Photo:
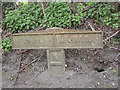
(29, 64)
(115, 48)
(18, 73)
(43, 9)
(15, 4)
(38, 28)
(89, 7)
(23, 51)
(91, 27)
(111, 36)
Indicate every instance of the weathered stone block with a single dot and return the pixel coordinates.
(56, 61)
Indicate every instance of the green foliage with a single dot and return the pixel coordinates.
(7, 9)
(59, 14)
(0, 25)
(7, 6)
(104, 14)
(114, 70)
(77, 18)
(85, 61)
(114, 41)
(6, 44)
(25, 17)
(90, 3)
(11, 78)
(80, 8)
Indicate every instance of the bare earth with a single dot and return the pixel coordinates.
(85, 68)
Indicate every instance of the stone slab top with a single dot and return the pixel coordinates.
(59, 31)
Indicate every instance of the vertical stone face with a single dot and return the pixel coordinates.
(56, 61)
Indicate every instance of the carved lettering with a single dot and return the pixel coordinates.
(32, 42)
(75, 41)
(60, 40)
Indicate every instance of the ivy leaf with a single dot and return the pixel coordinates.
(27, 27)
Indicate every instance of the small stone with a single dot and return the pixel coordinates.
(68, 78)
(113, 84)
(65, 65)
(110, 68)
(98, 83)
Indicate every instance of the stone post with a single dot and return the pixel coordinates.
(56, 61)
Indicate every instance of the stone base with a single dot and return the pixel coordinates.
(56, 61)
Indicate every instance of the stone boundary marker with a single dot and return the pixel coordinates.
(55, 41)
(0, 61)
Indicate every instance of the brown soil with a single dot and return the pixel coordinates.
(86, 68)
